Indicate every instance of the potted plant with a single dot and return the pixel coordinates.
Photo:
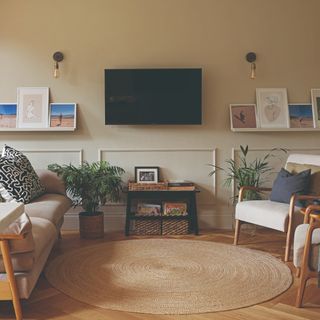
(91, 186)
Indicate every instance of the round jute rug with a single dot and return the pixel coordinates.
(167, 276)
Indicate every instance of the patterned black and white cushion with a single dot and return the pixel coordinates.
(18, 180)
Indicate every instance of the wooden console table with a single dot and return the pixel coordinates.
(164, 195)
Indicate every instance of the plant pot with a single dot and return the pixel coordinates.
(91, 225)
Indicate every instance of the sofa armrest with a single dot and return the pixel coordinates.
(51, 182)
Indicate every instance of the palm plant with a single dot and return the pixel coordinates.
(254, 173)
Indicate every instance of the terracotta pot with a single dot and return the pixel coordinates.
(91, 225)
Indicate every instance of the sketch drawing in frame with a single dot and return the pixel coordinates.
(33, 107)
(315, 97)
(63, 115)
(243, 116)
(8, 115)
(272, 107)
(301, 115)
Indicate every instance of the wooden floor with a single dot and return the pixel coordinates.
(48, 303)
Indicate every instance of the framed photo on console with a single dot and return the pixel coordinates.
(272, 106)
(146, 174)
(243, 116)
(33, 107)
(315, 97)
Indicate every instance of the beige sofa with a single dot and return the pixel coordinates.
(30, 254)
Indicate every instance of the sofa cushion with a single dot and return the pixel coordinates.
(49, 206)
(44, 234)
(51, 182)
(299, 242)
(18, 180)
(287, 184)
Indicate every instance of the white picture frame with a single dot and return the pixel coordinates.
(63, 115)
(272, 107)
(315, 98)
(301, 115)
(243, 115)
(33, 107)
(8, 115)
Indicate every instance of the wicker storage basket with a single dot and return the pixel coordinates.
(133, 186)
(147, 227)
(175, 227)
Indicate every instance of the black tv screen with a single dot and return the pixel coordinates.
(153, 96)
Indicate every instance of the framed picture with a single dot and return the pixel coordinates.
(8, 115)
(146, 174)
(315, 96)
(301, 115)
(272, 107)
(33, 107)
(243, 116)
(63, 115)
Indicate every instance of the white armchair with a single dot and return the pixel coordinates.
(276, 215)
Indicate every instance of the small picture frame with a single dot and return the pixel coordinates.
(33, 107)
(146, 174)
(272, 107)
(315, 98)
(243, 116)
(8, 115)
(301, 115)
(63, 115)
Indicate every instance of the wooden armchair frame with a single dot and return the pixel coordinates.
(305, 270)
(294, 198)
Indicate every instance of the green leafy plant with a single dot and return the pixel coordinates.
(91, 185)
(254, 173)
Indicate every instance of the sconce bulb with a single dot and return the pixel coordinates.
(56, 72)
(253, 71)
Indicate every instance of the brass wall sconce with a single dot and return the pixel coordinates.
(57, 57)
(251, 58)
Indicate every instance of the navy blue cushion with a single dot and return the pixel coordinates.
(287, 183)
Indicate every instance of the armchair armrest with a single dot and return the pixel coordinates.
(245, 188)
(309, 213)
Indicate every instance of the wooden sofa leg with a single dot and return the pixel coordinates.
(4, 245)
(302, 286)
(237, 232)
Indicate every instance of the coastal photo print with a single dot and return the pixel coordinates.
(8, 115)
(301, 115)
(63, 115)
(243, 116)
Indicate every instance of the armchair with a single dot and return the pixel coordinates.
(306, 249)
(277, 215)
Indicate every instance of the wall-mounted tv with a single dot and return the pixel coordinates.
(153, 96)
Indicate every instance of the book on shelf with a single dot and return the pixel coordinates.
(148, 209)
(180, 183)
(174, 208)
(182, 188)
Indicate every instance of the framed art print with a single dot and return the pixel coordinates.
(63, 115)
(243, 116)
(315, 98)
(8, 115)
(33, 107)
(272, 106)
(146, 174)
(301, 115)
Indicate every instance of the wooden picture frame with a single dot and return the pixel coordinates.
(243, 116)
(301, 115)
(315, 98)
(33, 107)
(272, 107)
(8, 115)
(63, 115)
(146, 174)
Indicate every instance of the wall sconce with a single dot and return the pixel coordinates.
(251, 58)
(57, 57)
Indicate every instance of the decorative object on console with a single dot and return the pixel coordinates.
(243, 116)
(272, 105)
(8, 115)
(33, 107)
(57, 57)
(148, 209)
(315, 96)
(91, 186)
(301, 115)
(251, 57)
(146, 174)
(19, 181)
(63, 115)
(175, 208)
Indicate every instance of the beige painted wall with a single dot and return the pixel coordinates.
(212, 34)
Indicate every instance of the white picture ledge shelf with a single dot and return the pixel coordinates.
(54, 129)
(274, 129)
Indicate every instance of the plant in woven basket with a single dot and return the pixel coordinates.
(91, 186)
